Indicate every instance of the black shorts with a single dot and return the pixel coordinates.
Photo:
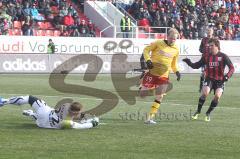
(213, 84)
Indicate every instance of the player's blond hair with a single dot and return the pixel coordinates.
(172, 32)
(76, 106)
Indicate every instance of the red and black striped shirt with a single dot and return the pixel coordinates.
(215, 65)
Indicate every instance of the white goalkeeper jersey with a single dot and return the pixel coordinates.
(48, 117)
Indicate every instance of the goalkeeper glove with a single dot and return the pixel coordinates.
(225, 78)
(149, 64)
(178, 75)
(187, 60)
(95, 122)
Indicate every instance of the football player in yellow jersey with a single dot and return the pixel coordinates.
(161, 57)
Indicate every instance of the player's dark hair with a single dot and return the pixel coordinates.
(215, 42)
(76, 106)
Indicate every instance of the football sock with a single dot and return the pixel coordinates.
(19, 100)
(201, 83)
(201, 101)
(154, 109)
(212, 106)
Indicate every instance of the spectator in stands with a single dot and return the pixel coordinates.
(19, 13)
(187, 32)
(191, 5)
(62, 3)
(126, 26)
(63, 11)
(163, 24)
(63, 31)
(27, 29)
(11, 11)
(35, 15)
(234, 20)
(46, 11)
(81, 4)
(5, 16)
(237, 34)
(72, 11)
(181, 35)
(134, 8)
(92, 31)
(26, 10)
(77, 21)
(144, 14)
(5, 26)
(224, 19)
(162, 12)
(57, 21)
(83, 29)
(220, 32)
(157, 21)
(50, 47)
(68, 21)
(75, 33)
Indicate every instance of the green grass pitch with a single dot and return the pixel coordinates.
(123, 136)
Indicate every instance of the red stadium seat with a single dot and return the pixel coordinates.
(17, 32)
(48, 25)
(48, 33)
(56, 33)
(41, 25)
(40, 32)
(10, 32)
(34, 32)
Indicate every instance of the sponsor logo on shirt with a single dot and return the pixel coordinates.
(170, 55)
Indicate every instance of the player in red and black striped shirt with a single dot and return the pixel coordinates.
(204, 49)
(215, 64)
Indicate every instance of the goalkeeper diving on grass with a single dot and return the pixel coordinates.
(68, 115)
(161, 57)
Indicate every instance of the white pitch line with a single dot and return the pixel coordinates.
(103, 123)
(120, 100)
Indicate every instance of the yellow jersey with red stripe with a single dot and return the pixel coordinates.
(163, 57)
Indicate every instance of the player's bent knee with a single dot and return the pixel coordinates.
(216, 98)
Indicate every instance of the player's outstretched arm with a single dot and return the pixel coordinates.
(90, 123)
(195, 65)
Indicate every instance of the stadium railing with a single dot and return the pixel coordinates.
(145, 32)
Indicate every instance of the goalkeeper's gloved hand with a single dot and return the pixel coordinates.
(225, 78)
(178, 75)
(94, 122)
(187, 60)
(149, 64)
